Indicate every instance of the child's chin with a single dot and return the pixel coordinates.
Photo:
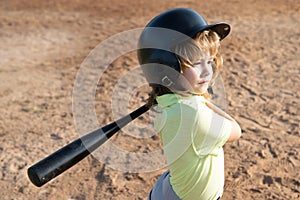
(201, 91)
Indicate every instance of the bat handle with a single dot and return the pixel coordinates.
(66, 157)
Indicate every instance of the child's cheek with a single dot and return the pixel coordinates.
(191, 75)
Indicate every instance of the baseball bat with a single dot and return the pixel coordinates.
(69, 155)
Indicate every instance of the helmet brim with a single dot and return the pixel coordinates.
(222, 29)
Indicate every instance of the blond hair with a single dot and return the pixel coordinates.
(204, 43)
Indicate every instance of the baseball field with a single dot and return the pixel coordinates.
(43, 45)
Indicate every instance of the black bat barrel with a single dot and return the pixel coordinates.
(66, 157)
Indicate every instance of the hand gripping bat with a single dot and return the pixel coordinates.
(69, 155)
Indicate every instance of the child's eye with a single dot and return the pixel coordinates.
(197, 63)
(210, 61)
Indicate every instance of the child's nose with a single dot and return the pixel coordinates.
(205, 72)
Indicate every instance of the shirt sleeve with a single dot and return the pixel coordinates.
(211, 131)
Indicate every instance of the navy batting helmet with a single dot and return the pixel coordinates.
(159, 64)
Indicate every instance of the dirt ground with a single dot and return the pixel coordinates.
(44, 43)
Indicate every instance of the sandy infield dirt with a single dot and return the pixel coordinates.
(43, 45)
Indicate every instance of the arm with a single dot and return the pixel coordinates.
(236, 129)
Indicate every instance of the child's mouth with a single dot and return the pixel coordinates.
(203, 82)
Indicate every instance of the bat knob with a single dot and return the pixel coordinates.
(34, 178)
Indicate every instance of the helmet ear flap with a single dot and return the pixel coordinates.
(162, 67)
(165, 57)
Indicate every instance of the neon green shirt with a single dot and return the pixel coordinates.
(193, 137)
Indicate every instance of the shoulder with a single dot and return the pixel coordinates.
(181, 106)
(193, 102)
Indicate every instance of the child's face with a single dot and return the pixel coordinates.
(199, 75)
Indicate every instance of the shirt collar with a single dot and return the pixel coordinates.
(167, 100)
